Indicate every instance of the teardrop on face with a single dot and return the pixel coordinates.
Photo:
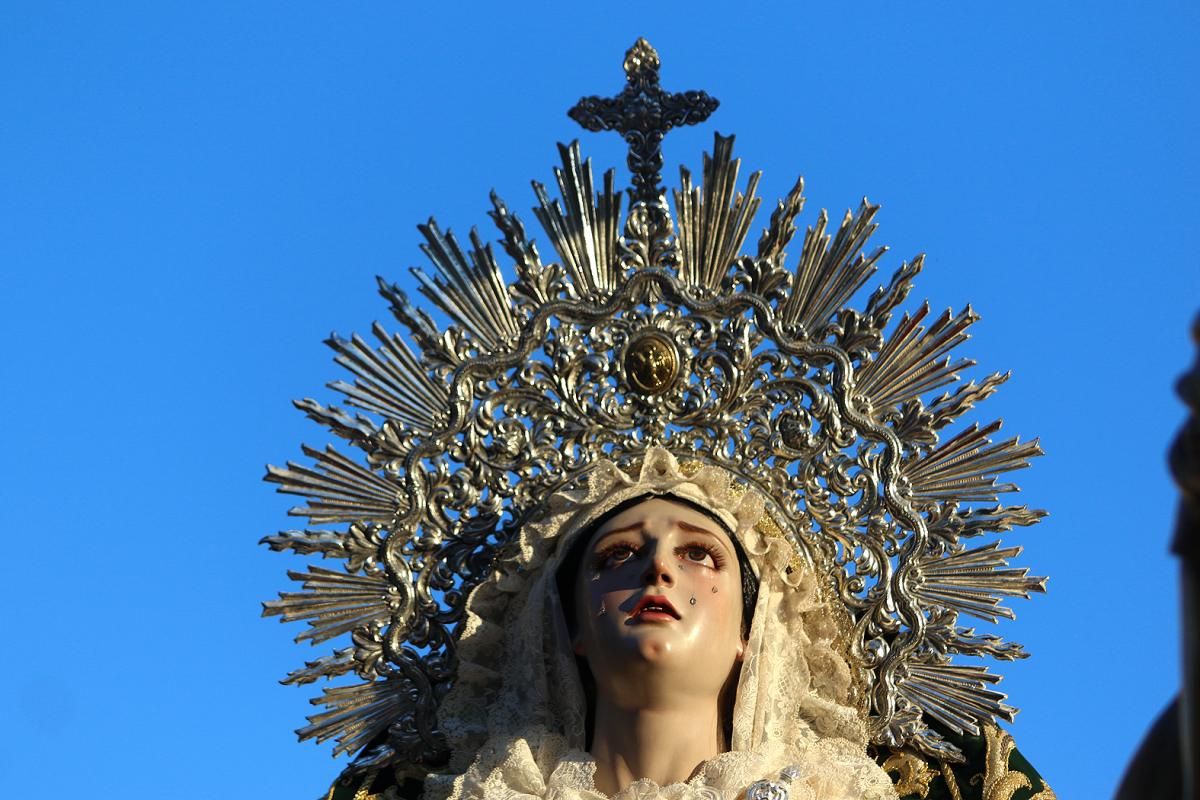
(714, 590)
(603, 609)
(693, 600)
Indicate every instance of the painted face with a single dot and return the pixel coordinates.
(659, 587)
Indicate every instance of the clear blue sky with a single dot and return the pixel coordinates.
(192, 195)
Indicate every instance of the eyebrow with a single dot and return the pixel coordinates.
(686, 526)
(635, 526)
(697, 529)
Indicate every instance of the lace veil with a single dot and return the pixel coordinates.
(515, 718)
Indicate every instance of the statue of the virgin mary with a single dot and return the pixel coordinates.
(661, 517)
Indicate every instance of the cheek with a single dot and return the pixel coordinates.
(719, 599)
(599, 596)
(588, 600)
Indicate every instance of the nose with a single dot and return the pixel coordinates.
(658, 572)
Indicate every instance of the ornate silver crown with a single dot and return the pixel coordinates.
(653, 328)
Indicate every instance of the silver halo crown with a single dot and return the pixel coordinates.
(655, 330)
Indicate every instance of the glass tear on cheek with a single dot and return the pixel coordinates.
(595, 576)
(693, 600)
(603, 609)
(714, 590)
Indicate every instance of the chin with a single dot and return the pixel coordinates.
(655, 650)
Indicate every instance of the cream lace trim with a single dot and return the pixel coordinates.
(827, 769)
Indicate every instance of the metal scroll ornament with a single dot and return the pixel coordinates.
(651, 328)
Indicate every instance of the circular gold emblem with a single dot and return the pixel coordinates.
(651, 363)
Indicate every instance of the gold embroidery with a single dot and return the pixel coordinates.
(913, 774)
(364, 789)
(1045, 794)
(951, 782)
(364, 793)
(999, 782)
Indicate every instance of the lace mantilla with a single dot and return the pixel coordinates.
(826, 770)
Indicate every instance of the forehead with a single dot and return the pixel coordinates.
(660, 514)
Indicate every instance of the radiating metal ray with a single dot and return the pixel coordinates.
(973, 581)
(965, 468)
(331, 666)
(957, 695)
(911, 362)
(585, 227)
(828, 274)
(469, 289)
(357, 714)
(714, 218)
(335, 602)
(389, 381)
(340, 490)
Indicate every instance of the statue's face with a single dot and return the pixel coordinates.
(659, 587)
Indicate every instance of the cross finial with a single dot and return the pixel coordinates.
(642, 114)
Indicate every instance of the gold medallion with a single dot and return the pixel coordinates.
(651, 363)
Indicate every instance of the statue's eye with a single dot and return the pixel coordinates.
(700, 554)
(615, 555)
